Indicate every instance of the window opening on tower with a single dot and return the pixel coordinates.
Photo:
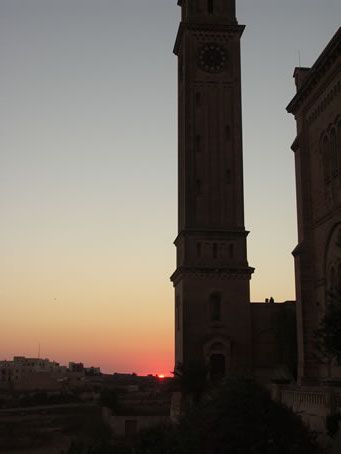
(210, 6)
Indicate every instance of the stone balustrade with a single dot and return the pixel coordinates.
(297, 398)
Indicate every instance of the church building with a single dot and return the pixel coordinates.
(215, 323)
(317, 147)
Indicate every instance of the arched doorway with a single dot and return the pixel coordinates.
(218, 357)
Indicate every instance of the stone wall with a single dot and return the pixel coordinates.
(129, 425)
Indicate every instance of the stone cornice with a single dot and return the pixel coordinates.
(211, 235)
(223, 273)
(327, 98)
(318, 70)
(298, 250)
(296, 144)
(233, 28)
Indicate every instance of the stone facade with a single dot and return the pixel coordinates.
(215, 324)
(317, 147)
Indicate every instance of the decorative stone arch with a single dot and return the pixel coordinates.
(217, 354)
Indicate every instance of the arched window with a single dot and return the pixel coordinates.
(215, 307)
(217, 361)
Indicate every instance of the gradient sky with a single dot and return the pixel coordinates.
(88, 146)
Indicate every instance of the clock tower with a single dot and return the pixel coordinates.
(212, 298)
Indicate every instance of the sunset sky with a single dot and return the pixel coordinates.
(88, 184)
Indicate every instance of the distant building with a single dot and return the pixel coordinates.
(317, 147)
(37, 373)
(9, 373)
(92, 371)
(76, 367)
(36, 364)
(20, 368)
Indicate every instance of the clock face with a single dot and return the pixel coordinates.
(212, 58)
